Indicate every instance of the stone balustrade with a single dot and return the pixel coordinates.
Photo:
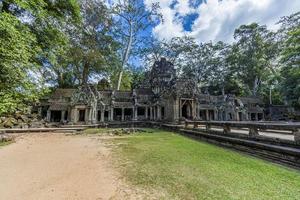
(253, 127)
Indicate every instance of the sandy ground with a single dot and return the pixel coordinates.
(56, 166)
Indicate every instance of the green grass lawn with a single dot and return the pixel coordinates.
(181, 168)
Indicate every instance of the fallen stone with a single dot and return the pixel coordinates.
(8, 123)
(6, 138)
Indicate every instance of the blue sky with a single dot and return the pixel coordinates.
(214, 20)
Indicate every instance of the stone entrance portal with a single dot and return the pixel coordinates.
(55, 116)
(187, 109)
(81, 117)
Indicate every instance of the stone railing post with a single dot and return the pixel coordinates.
(186, 124)
(111, 114)
(253, 131)
(123, 115)
(195, 125)
(226, 128)
(208, 127)
(102, 116)
(296, 133)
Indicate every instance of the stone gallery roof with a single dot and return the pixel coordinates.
(58, 107)
(61, 92)
(122, 94)
(144, 91)
(251, 100)
(256, 109)
(106, 96)
(123, 104)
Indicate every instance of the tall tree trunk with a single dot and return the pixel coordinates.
(60, 80)
(255, 85)
(223, 90)
(85, 73)
(270, 96)
(125, 55)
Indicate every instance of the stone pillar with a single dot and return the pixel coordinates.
(94, 115)
(180, 109)
(63, 113)
(135, 116)
(253, 131)
(102, 115)
(111, 114)
(194, 110)
(123, 116)
(226, 129)
(207, 115)
(90, 115)
(48, 115)
(158, 112)
(215, 115)
(87, 115)
(73, 115)
(151, 113)
(146, 113)
(207, 127)
(297, 136)
(176, 108)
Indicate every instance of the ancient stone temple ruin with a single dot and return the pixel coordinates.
(162, 97)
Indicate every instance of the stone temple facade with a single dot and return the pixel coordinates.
(162, 97)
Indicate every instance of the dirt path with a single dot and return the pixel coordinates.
(57, 166)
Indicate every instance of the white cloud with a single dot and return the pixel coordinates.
(218, 19)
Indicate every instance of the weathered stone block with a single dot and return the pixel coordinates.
(226, 128)
(253, 132)
(297, 136)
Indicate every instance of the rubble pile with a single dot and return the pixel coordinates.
(21, 120)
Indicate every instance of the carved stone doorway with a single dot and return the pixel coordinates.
(81, 117)
(187, 109)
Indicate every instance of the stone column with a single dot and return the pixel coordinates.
(176, 108)
(48, 115)
(146, 112)
(180, 109)
(151, 113)
(135, 117)
(253, 131)
(89, 115)
(194, 110)
(215, 115)
(73, 115)
(123, 116)
(94, 115)
(111, 114)
(207, 115)
(238, 117)
(226, 128)
(63, 113)
(297, 136)
(158, 112)
(102, 116)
